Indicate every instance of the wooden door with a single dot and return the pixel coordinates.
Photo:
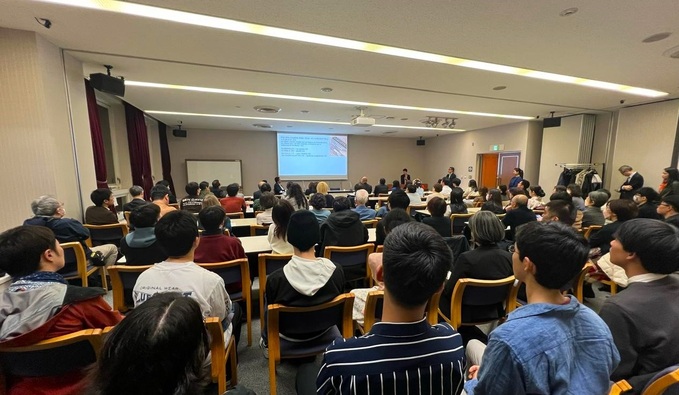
(507, 162)
(488, 170)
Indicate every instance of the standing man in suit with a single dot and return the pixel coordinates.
(632, 184)
(450, 175)
(405, 177)
(277, 187)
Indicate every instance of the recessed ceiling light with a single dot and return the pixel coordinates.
(327, 90)
(288, 126)
(404, 119)
(268, 109)
(389, 132)
(390, 118)
(568, 11)
(304, 111)
(331, 128)
(367, 130)
(672, 52)
(499, 88)
(262, 125)
(656, 37)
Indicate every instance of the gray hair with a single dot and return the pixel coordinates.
(486, 228)
(136, 190)
(361, 196)
(45, 205)
(598, 198)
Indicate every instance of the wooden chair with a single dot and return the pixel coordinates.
(258, 212)
(267, 264)
(591, 230)
(379, 248)
(470, 292)
(259, 230)
(580, 281)
(666, 379)
(457, 222)
(219, 353)
(370, 223)
(123, 279)
(106, 234)
(298, 321)
(77, 265)
(413, 207)
(233, 272)
(374, 304)
(354, 260)
(619, 387)
(126, 214)
(235, 215)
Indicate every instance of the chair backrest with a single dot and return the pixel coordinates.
(379, 248)
(107, 234)
(236, 215)
(127, 216)
(592, 229)
(351, 257)
(579, 282)
(457, 244)
(269, 263)
(259, 230)
(232, 272)
(457, 222)
(664, 382)
(375, 302)
(53, 357)
(370, 223)
(619, 387)
(74, 253)
(123, 279)
(473, 292)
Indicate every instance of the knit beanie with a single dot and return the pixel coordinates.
(303, 230)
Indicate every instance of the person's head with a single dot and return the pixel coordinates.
(503, 189)
(549, 253)
(364, 180)
(177, 233)
(561, 196)
(145, 216)
(520, 201)
(669, 206)
(596, 198)
(382, 181)
(456, 196)
(267, 200)
(322, 188)
(395, 218)
(645, 195)
(559, 188)
(451, 170)
(495, 196)
(415, 263)
(160, 192)
(159, 348)
(212, 218)
(164, 182)
(280, 214)
(211, 200)
(232, 189)
(295, 191)
(670, 174)
(277, 180)
(518, 172)
(517, 191)
(204, 185)
(312, 186)
(574, 190)
(524, 185)
(412, 188)
(317, 201)
(303, 231)
(47, 206)
(620, 210)
(192, 188)
(455, 182)
(396, 184)
(341, 203)
(558, 210)
(398, 199)
(362, 197)
(216, 184)
(486, 228)
(438, 187)
(652, 244)
(136, 192)
(536, 190)
(436, 207)
(102, 197)
(405, 171)
(288, 184)
(265, 187)
(626, 170)
(472, 184)
(28, 249)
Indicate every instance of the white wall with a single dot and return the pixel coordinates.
(559, 145)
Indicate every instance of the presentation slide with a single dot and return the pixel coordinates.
(312, 156)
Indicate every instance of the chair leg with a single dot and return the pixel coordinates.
(614, 288)
(248, 315)
(84, 280)
(234, 364)
(272, 375)
(104, 282)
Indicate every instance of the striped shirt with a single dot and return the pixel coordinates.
(395, 358)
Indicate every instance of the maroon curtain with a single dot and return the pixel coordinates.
(138, 143)
(97, 139)
(165, 155)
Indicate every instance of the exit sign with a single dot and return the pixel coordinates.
(497, 147)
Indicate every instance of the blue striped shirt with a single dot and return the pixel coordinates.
(395, 358)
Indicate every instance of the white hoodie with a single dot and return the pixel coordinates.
(307, 276)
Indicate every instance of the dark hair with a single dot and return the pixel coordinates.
(396, 184)
(265, 187)
(99, 195)
(395, 218)
(136, 190)
(562, 210)
(518, 170)
(192, 188)
(456, 196)
(656, 243)
(382, 181)
(164, 182)
(503, 189)
(405, 169)
(175, 232)
(455, 181)
(267, 200)
(559, 188)
(159, 191)
(280, 215)
(537, 189)
(415, 263)
(145, 216)
(295, 191)
(473, 185)
(623, 209)
(216, 184)
(606, 191)
(398, 199)
(203, 185)
(495, 197)
(436, 207)
(317, 201)
(672, 201)
(159, 348)
(673, 174)
(289, 184)
(575, 189)
(514, 191)
(561, 196)
(212, 218)
(341, 203)
(649, 193)
(486, 228)
(232, 189)
(438, 187)
(412, 188)
(525, 184)
(557, 251)
(21, 249)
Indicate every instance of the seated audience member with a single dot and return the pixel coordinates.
(669, 208)
(311, 188)
(670, 182)
(169, 329)
(212, 201)
(397, 199)
(436, 192)
(343, 227)
(617, 211)
(471, 191)
(305, 280)
(137, 194)
(256, 204)
(214, 245)
(558, 210)
(419, 190)
(644, 318)
(479, 200)
(192, 202)
(414, 266)
(494, 202)
(277, 186)
(364, 212)
(177, 234)
(296, 197)
(140, 247)
(554, 344)
(415, 198)
(363, 184)
(160, 196)
(280, 214)
(40, 305)
(575, 213)
(593, 214)
(217, 190)
(381, 188)
(258, 193)
(266, 203)
(204, 189)
(171, 197)
(437, 220)
(503, 192)
(100, 214)
(486, 262)
(323, 189)
(576, 194)
(455, 182)
(536, 195)
(317, 205)
(233, 203)
(524, 185)
(395, 186)
(559, 188)
(446, 188)
(646, 199)
(49, 212)
(457, 205)
(518, 215)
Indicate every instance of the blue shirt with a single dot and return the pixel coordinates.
(548, 349)
(365, 212)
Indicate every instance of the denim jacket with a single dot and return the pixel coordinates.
(548, 349)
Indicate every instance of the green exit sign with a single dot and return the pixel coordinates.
(497, 147)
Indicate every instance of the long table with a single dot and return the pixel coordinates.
(257, 244)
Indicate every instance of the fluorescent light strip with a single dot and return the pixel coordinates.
(320, 100)
(188, 18)
(193, 114)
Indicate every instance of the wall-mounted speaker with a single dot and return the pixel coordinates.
(108, 84)
(179, 133)
(553, 122)
(420, 141)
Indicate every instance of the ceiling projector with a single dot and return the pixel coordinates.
(362, 121)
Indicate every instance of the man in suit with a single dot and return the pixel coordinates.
(363, 184)
(633, 182)
(405, 177)
(518, 215)
(450, 175)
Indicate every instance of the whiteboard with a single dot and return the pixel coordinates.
(226, 171)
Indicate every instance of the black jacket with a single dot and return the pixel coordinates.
(517, 217)
(344, 229)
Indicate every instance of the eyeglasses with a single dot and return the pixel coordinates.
(664, 204)
(512, 248)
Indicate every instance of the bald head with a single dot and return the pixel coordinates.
(520, 201)
(364, 179)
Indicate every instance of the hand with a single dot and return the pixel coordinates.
(473, 372)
